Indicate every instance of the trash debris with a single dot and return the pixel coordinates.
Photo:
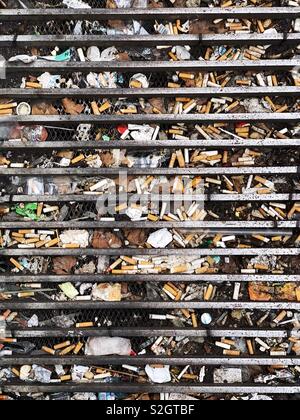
(105, 346)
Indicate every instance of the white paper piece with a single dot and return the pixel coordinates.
(159, 375)
(160, 239)
(228, 375)
(106, 346)
(80, 237)
(76, 4)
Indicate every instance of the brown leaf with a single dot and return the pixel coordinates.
(198, 27)
(159, 104)
(111, 4)
(259, 292)
(43, 108)
(286, 292)
(107, 159)
(71, 107)
(124, 56)
(136, 236)
(103, 239)
(63, 265)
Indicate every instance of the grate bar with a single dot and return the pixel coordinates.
(149, 14)
(223, 225)
(144, 278)
(147, 388)
(142, 144)
(154, 197)
(148, 332)
(151, 66)
(154, 252)
(144, 360)
(148, 40)
(271, 170)
(151, 118)
(150, 92)
(212, 305)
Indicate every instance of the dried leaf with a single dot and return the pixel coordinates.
(136, 237)
(107, 159)
(198, 27)
(259, 292)
(287, 292)
(63, 265)
(103, 239)
(158, 103)
(43, 108)
(71, 107)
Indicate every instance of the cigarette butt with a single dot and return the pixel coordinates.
(178, 296)
(116, 264)
(25, 294)
(39, 209)
(135, 84)
(173, 160)
(104, 107)
(282, 109)
(67, 350)
(229, 342)
(153, 218)
(250, 347)
(260, 26)
(261, 267)
(280, 317)
(234, 353)
(173, 85)
(65, 378)
(51, 243)
(129, 260)
(33, 85)
(194, 320)
(16, 372)
(16, 264)
(180, 159)
(6, 314)
(48, 350)
(298, 294)
(62, 345)
(209, 292)
(40, 244)
(85, 325)
(78, 348)
(8, 106)
(188, 76)
(173, 56)
(78, 159)
(95, 108)
(8, 340)
(71, 246)
(186, 313)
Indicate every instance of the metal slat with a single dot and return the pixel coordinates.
(163, 197)
(212, 305)
(144, 278)
(142, 144)
(220, 225)
(274, 117)
(149, 14)
(153, 252)
(291, 39)
(128, 388)
(153, 66)
(103, 172)
(148, 332)
(244, 92)
(145, 360)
